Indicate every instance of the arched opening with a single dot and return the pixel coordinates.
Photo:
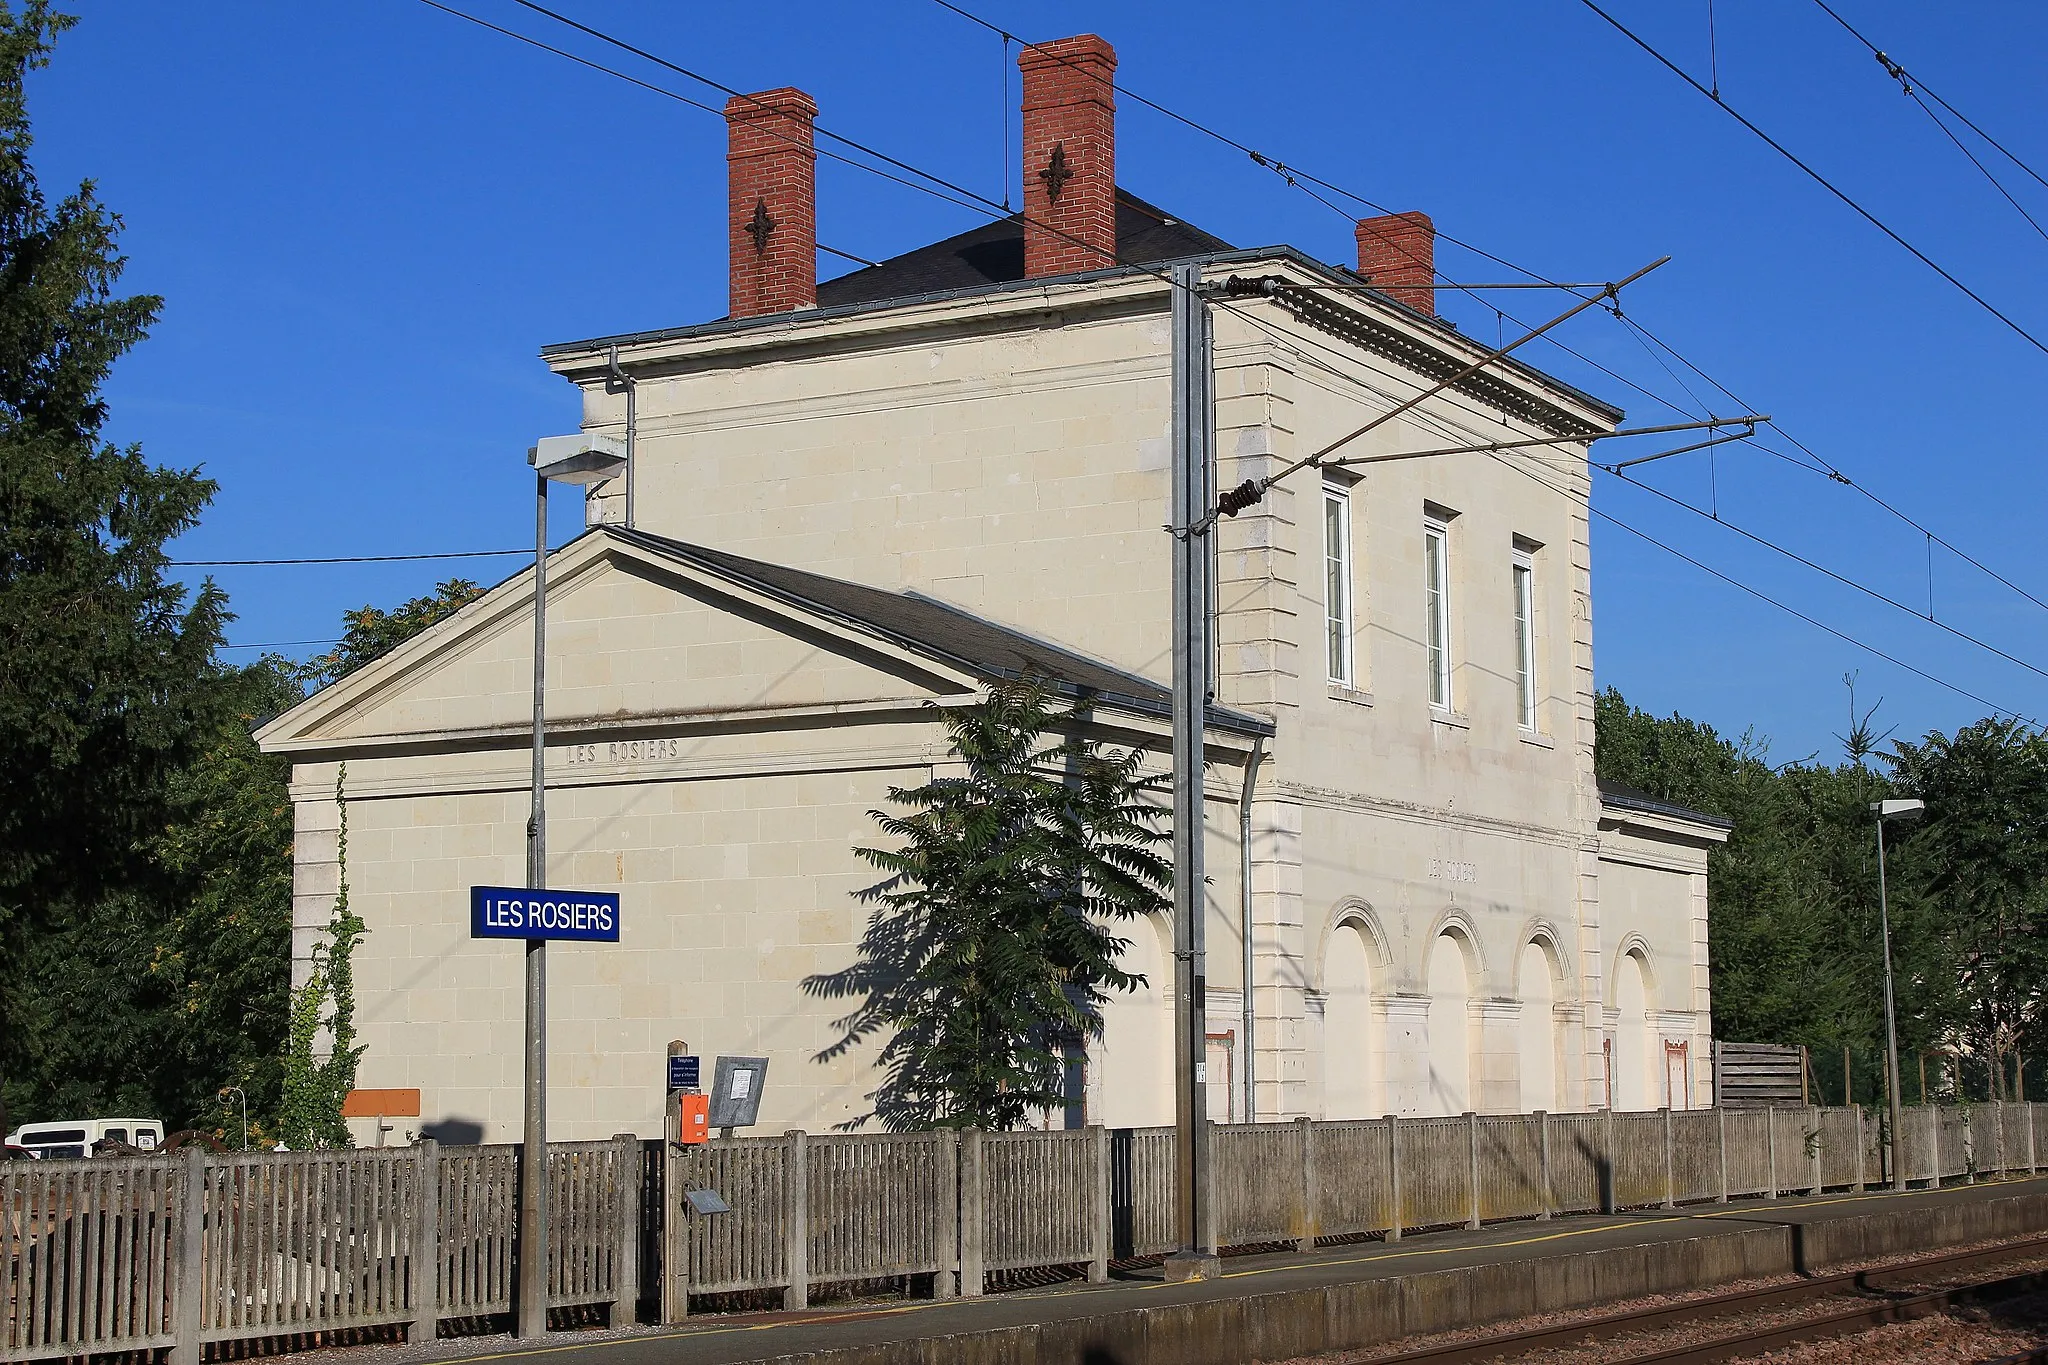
(1537, 1036)
(1351, 1042)
(1134, 1057)
(1632, 1083)
(1450, 1028)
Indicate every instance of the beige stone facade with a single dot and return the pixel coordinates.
(1445, 913)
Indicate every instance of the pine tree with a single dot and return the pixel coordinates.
(993, 946)
(107, 687)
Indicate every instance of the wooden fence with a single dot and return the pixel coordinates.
(122, 1254)
(809, 1210)
(189, 1249)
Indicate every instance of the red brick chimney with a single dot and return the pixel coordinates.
(1069, 155)
(772, 219)
(1397, 255)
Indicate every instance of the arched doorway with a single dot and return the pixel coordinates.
(1351, 1041)
(1450, 1028)
(1133, 1084)
(1633, 1088)
(1537, 1036)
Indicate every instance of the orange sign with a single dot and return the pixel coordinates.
(381, 1104)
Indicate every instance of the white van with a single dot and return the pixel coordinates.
(77, 1139)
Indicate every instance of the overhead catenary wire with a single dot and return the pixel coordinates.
(1767, 598)
(1899, 73)
(1914, 90)
(1263, 160)
(342, 559)
(1540, 281)
(1847, 582)
(989, 206)
(1497, 451)
(1819, 179)
(1821, 465)
(1817, 624)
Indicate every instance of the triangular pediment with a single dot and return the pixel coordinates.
(633, 635)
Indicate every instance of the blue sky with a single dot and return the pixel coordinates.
(367, 218)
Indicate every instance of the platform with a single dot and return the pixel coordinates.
(1274, 1307)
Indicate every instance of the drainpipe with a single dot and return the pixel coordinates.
(1244, 893)
(618, 380)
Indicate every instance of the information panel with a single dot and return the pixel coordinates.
(521, 912)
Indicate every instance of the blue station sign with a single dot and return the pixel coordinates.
(525, 913)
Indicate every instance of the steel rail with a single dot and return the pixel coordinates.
(1720, 1305)
(1861, 1318)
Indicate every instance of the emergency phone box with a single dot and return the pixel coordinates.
(693, 1118)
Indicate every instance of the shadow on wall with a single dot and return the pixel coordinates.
(1603, 1172)
(454, 1132)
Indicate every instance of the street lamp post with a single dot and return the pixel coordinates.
(584, 459)
(1891, 810)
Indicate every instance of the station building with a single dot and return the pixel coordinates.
(860, 501)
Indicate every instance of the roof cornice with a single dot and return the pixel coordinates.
(1365, 317)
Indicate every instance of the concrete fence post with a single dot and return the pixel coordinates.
(971, 1269)
(1311, 1196)
(1998, 1121)
(1393, 1177)
(1933, 1146)
(1098, 1146)
(1813, 1144)
(1721, 1127)
(2033, 1160)
(1211, 1216)
(797, 1222)
(1970, 1146)
(675, 1238)
(946, 1280)
(627, 1175)
(188, 1319)
(1670, 1162)
(1771, 1149)
(426, 1242)
(1546, 1192)
(1472, 1165)
(1862, 1175)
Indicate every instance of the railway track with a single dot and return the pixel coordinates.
(1866, 1287)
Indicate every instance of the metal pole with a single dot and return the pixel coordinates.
(1191, 418)
(1891, 1023)
(533, 1155)
(1244, 893)
(616, 380)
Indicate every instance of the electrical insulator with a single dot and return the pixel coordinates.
(1239, 498)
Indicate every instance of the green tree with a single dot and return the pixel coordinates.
(1976, 869)
(369, 633)
(223, 958)
(993, 942)
(1792, 917)
(108, 689)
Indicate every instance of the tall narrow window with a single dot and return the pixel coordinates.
(1436, 568)
(1337, 583)
(1525, 639)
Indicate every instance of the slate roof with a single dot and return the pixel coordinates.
(928, 626)
(994, 254)
(1624, 797)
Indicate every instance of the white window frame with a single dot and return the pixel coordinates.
(1436, 636)
(1339, 600)
(1523, 573)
